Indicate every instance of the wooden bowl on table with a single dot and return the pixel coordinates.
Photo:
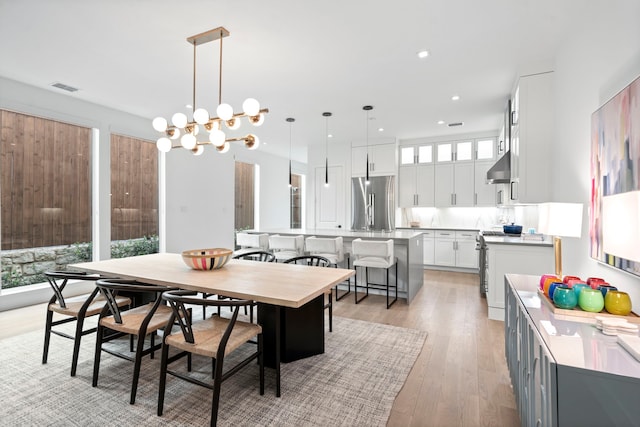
(206, 259)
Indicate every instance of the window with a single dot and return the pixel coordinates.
(46, 196)
(244, 195)
(295, 220)
(134, 197)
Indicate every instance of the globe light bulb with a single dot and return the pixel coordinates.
(179, 120)
(233, 123)
(251, 142)
(164, 144)
(223, 148)
(251, 107)
(225, 111)
(159, 124)
(257, 120)
(198, 150)
(217, 138)
(175, 133)
(188, 141)
(201, 116)
(195, 130)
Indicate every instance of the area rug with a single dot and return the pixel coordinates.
(354, 383)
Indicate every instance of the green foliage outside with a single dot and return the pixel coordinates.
(83, 252)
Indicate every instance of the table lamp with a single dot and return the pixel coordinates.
(560, 220)
(621, 225)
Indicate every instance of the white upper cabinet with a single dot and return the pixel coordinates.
(382, 160)
(416, 176)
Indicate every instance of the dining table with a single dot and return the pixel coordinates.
(290, 297)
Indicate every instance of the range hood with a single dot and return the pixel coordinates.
(500, 173)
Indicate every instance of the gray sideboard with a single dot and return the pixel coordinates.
(565, 372)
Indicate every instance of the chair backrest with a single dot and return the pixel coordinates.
(287, 243)
(110, 288)
(248, 240)
(373, 248)
(313, 260)
(325, 246)
(180, 313)
(262, 256)
(58, 281)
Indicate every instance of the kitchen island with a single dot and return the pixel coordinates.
(407, 246)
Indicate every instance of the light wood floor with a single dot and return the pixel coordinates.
(460, 377)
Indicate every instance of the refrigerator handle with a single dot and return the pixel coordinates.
(372, 209)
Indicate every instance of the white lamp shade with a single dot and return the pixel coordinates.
(251, 107)
(164, 144)
(159, 124)
(176, 133)
(217, 138)
(179, 120)
(201, 116)
(224, 147)
(257, 120)
(233, 123)
(621, 225)
(198, 150)
(188, 141)
(225, 111)
(560, 219)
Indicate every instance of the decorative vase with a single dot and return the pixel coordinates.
(617, 302)
(564, 297)
(566, 279)
(547, 282)
(577, 287)
(604, 288)
(591, 300)
(544, 277)
(552, 289)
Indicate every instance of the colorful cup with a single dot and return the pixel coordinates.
(552, 289)
(594, 282)
(545, 277)
(604, 288)
(617, 302)
(572, 282)
(591, 300)
(564, 297)
(567, 278)
(547, 282)
(577, 287)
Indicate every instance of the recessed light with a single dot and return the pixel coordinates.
(329, 136)
(440, 122)
(455, 97)
(380, 130)
(423, 54)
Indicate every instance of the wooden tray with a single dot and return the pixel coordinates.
(579, 315)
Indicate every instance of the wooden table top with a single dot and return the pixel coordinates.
(280, 284)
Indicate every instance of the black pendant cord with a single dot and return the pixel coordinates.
(367, 108)
(326, 115)
(290, 120)
(367, 176)
(326, 172)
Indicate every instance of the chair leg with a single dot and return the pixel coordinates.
(47, 336)
(96, 359)
(136, 367)
(76, 345)
(217, 379)
(355, 288)
(163, 377)
(396, 286)
(261, 361)
(330, 313)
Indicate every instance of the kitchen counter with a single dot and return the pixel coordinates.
(407, 247)
(516, 240)
(438, 228)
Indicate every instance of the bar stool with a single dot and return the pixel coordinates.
(374, 254)
(331, 248)
(251, 242)
(286, 247)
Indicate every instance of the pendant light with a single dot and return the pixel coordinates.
(367, 108)
(290, 120)
(326, 149)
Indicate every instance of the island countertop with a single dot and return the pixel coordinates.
(408, 250)
(399, 234)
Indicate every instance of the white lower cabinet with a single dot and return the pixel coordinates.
(428, 238)
(456, 248)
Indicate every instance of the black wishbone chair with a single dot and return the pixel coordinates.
(316, 261)
(137, 322)
(213, 337)
(75, 309)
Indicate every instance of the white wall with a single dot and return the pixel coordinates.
(599, 58)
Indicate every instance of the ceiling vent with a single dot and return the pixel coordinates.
(451, 125)
(65, 87)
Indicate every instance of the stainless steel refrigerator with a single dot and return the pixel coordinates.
(373, 204)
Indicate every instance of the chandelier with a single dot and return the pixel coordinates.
(189, 131)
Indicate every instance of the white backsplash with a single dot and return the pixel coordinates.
(476, 218)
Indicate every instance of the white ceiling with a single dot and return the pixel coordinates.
(298, 58)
